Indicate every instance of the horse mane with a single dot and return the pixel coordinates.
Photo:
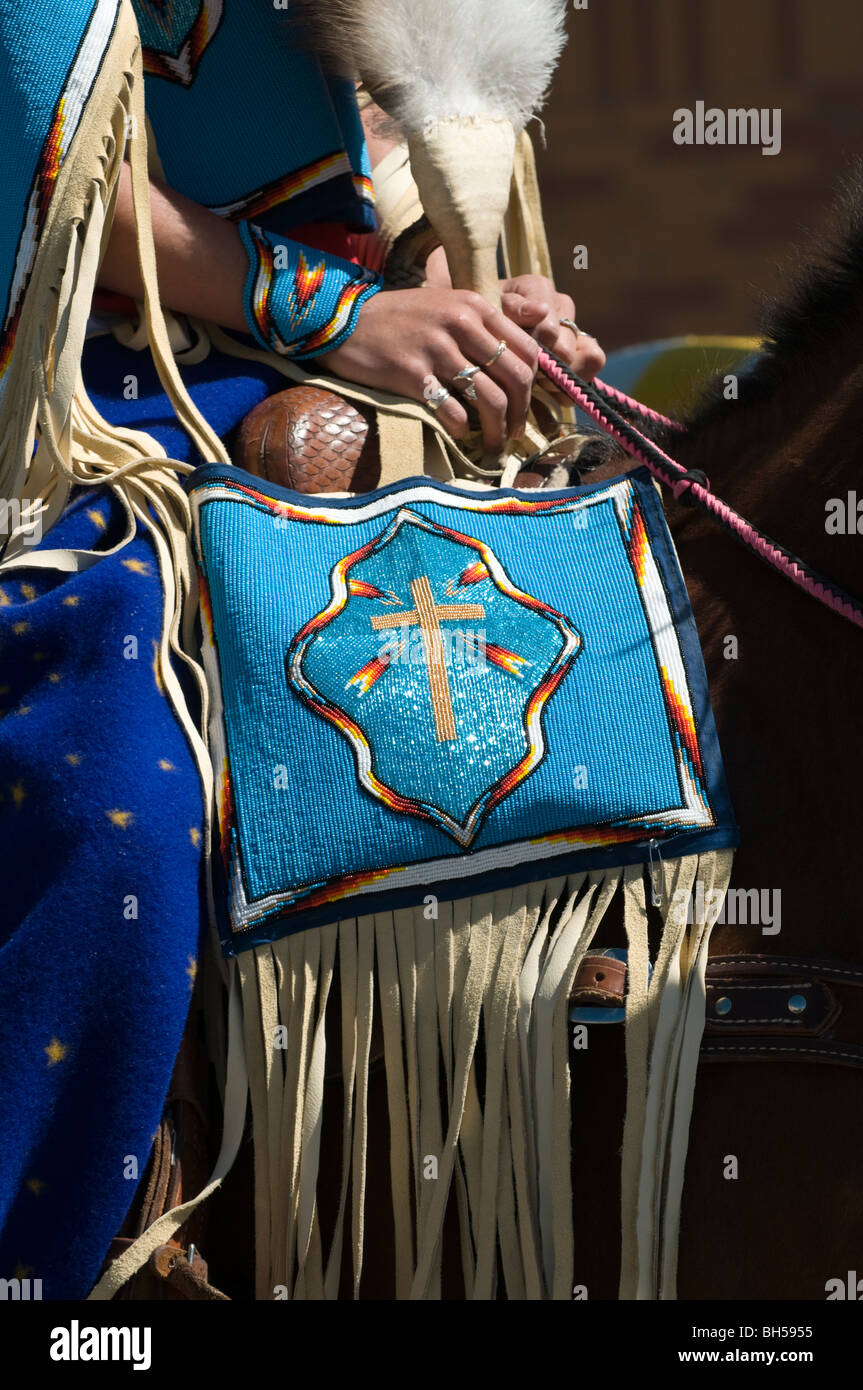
(802, 328)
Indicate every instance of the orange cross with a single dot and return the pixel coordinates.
(428, 615)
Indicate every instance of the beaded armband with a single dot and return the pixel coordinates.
(300, 302)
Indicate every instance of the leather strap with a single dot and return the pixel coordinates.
(187, 1280)
(400, 441)
(834, 971)
(842, 1054)
(751, 1007)
(600, 980)
(775, 1007)
(759, 1006)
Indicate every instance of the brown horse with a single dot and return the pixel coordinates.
(787, 1218)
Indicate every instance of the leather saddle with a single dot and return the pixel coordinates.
(311, 440)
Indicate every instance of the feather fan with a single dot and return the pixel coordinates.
(436, 60)
(460, 79)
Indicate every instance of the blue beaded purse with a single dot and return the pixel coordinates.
(429, 688)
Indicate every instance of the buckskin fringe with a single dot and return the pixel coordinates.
(489, 975)
(45, 395)
(664, 1026)
(473, 1006)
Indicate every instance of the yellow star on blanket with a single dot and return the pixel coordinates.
(55, 1052)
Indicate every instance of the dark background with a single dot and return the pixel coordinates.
(683, 239)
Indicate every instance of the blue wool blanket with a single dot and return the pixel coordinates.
(100, 859)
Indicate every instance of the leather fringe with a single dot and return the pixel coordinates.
(473, 1004)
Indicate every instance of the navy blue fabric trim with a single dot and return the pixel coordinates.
(213, 472)
(657, 527)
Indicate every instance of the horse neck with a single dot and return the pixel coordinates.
(785, 455)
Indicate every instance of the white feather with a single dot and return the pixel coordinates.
(434, 60)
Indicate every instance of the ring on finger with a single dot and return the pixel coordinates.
(498, 352)
(570, 323)
(467, 374)
(436, 400)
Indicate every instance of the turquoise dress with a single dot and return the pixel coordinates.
(246, 122)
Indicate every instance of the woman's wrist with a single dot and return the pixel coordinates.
(300, 302)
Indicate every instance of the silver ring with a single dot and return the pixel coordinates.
(467, 374)
(435, 401)
(501, 349)
(579, 332)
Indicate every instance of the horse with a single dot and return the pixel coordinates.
(772, 1208)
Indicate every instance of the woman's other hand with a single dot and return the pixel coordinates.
(535, 304)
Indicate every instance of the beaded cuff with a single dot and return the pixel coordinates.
(298, 301)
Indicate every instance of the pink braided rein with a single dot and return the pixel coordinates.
(633, 404)
(784, 563)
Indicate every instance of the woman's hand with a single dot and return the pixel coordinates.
(412, 342)
(534, 303)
